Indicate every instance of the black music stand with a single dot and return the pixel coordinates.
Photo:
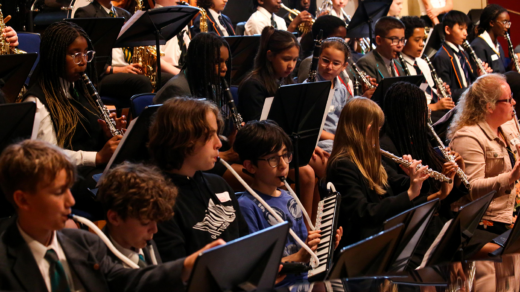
(14, 72)
(385, 84)
(369, 257)
(248, 263)
(103, 33)
(415, 221)
(364, 20)
(155, 27)
(509, 241)
(243, 49)
(435, 40)
(300, 110)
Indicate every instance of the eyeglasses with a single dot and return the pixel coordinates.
(78, 57)
(508, 100)
(505, 23)
(396, 41)
(274, 161)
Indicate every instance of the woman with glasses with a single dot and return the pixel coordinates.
(485, 134)
(68, 115)
(494, 23)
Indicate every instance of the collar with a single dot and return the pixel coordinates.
(129, 253)
(336, 81)
(487, 130)
(158, 6)
(454, 47)
(264, 12)
(215, 14)
(109, 9)
(408, 59)
(386, 61)
(485, 36)
(183, 179)
(39, 250)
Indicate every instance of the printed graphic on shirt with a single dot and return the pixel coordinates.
(294, 209)
(217, 219)
(270, 218)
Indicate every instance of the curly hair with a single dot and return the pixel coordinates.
(490, 13)
(206, 4)
(137, 191)
(471, 108)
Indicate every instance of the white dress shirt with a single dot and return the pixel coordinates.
(39, 250)
(260, 19)
(496, 47)
(433, 3)
(457, 49)
(340, 15)
(423, 66)
(215, 16)
(47, 133)
(388, 65)
(172, 50)
(132, 254)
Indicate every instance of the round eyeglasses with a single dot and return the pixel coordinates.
(274, 161)
(78, 57)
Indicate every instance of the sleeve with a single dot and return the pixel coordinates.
(81, 13)
(195, 29)
(480, 51)
(474, 157)
(253, 26)
(169, 90)
(251, 95)
(364, 64)
(118, 58)
(170, 240)
(250, 214)
(47, 133)
(303, 71)
(355, 202)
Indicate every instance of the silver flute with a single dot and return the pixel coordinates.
(449, 157)
(105, 114)
(434, 174)
(403, 63)
(363, 76)
(476, 59)
(438, 81)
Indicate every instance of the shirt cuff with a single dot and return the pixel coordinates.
(89, 158)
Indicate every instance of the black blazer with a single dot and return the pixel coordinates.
(177, 86)
(362, 210)
(212, 25)
(94, 9)
(373, 64)
(87, 258)
(251, 97)
(147, 255)
(485, 53)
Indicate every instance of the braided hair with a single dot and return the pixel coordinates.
(490, 13)
(55, 42)
(406, 114)
(203, 57)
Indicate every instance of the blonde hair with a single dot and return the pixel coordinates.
(472, 105)
(360, 146)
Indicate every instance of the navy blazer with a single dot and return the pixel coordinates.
(212, 25)
(373, 64)
(485, 53)
(87, 258)
(94, 9)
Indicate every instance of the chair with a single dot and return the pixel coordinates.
(138, 103)
(30, 42)
(241, 28)
(234, 93)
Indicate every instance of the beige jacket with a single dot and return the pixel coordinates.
(488, 167)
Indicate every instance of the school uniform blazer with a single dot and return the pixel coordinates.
(177, 86)
(488, 55)
(373, 64)
(94, 9)
(87, 257)
(213, 25)
(446, 66)
(147, 256)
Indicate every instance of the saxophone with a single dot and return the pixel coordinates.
(5, 47)
(434, 174)
(438, 82)
(512, 55)
(363, 76)
(203, 26)
(476, 59)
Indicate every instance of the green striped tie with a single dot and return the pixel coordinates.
(56, 273)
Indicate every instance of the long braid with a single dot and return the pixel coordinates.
(53, 48)
(406, 123)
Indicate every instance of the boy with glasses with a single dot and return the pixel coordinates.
(382, 62)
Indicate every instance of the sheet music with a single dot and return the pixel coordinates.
(267, 107)
(426, 42)
(434, 245)
(327, 110)
(131, 21)
(121, 143)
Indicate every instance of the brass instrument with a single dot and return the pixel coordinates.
(476, 59)
(5, 47)
(203, 20)
(434, 174)
(441, 90)
(237, 118)
(403, 62)
(304, 27)
(326, 6)
(512, 55)
(105, 115)
(363, 76)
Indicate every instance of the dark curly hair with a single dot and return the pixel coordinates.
(206, 4)
(137, 191)
(490, 13)
(411, 23)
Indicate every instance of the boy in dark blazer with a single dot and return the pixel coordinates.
(37, 255)
(382, 62)
(216, 21)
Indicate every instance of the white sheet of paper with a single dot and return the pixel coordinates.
(267, 107)
(36, 126)
(131, 21)
(434, 245)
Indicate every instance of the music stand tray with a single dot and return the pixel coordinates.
(364, 20)
(14, 72)
(243, 49)
(386, 83)
(511, 244)
(17, 120)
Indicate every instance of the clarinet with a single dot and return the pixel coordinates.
(363, 76)
(315, 57)
(237, 118)
(357, 87)
(449, 157)
(434, 174)
(405, 67)
(476, 59)
(512, 55)
(105, 115)
(438, 81)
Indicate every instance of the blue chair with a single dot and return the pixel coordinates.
(30, 42)
(138, 103)
(234, 93)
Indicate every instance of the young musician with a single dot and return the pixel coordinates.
(10, 36)
(356, 171)
(37, 254)
(414, 34)
(69, 116)
(184, 143)
(396, 8)
(216, 21)
(266, 151)
(382, 62)
(337, 9)
(135, 198)
(122, 78)
(265, 16)
(494, 23)
(301, 5)
(451, 62)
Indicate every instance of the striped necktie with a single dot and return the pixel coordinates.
(56, 273)
(142, 263)
(273, 23)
